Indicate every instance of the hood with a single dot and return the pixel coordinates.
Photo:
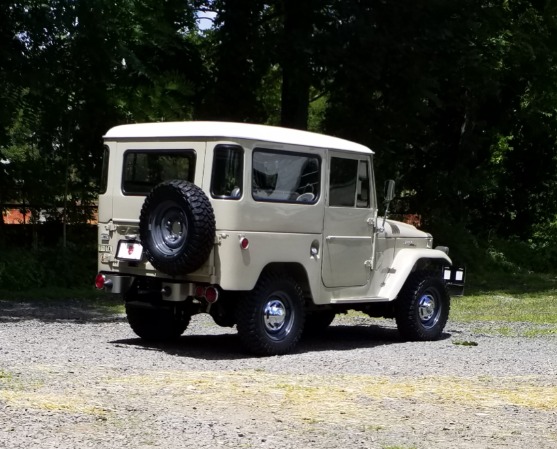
(399, 229)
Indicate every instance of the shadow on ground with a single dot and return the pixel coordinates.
(227, 346)
(204, 340)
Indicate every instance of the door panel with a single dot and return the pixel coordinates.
(348, 222)
(143, 165)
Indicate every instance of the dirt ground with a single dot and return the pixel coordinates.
(71, 380)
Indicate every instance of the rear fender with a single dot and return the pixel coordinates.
(406, 261)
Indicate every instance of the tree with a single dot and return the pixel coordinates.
(238, 59)
(453, 97)
(11, 60)
(296, 58)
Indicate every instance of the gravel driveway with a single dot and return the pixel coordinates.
(74, 378)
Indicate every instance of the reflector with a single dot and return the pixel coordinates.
(244, 243)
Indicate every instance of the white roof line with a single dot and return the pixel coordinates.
(262, 133)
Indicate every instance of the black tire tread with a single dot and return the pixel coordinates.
(201, 232)
(156, 324)
(407, 320)
(248, 316)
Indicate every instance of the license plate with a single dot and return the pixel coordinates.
(105, 248)
(129, 250)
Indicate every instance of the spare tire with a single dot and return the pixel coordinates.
(177, 227)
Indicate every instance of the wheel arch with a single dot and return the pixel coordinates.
(298, 273)
(408, 261)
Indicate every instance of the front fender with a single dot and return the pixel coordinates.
(404, 262)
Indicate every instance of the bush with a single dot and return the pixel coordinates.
(24, 269)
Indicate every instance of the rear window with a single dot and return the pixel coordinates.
(144, 169)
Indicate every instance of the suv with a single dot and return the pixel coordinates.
(268, 229)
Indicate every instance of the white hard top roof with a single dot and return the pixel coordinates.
(232, 130)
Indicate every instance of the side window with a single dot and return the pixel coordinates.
(349, 183)
(104, 173)
(342, 183)
(362, 190)
(286, 177)
(144, 169)
(228, 172)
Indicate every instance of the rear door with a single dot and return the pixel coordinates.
(348, 222)
(143, 165)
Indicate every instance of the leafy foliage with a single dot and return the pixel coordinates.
(457, 98)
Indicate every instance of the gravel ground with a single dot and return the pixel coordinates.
(77, 378)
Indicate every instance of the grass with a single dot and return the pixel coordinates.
(539, 308)
(90, 298)
(342, 398)
(509, 298)
(494, 301)
(54, 294)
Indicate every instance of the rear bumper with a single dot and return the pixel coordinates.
(117, 283)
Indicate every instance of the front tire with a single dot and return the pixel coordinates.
(422, 308)
(271, 317)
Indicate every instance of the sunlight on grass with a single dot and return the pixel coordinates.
(537, 308)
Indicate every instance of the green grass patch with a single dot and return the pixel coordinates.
(509, 298)
(5, 375)
(56, 293)
(499, 306)
(89, 298)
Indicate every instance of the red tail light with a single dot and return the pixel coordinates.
(99, 281)
(211, 294)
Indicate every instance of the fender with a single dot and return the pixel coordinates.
(403, 263)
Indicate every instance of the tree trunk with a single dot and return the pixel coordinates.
(296, 56)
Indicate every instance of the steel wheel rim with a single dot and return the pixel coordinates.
(169, 228)
(277, 316)
(429, 310)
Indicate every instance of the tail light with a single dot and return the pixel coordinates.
(209, 294)
(102, 282)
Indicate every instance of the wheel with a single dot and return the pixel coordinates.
(422, 307)
(317, 322)
(270, 318)
(177, 227)
(156, 323)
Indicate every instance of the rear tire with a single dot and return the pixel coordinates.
(317, 322)
(422, 307)
(271, 317)
(156, 323)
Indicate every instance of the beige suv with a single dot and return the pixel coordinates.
(271, 230)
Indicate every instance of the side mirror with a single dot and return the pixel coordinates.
(389, 190)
